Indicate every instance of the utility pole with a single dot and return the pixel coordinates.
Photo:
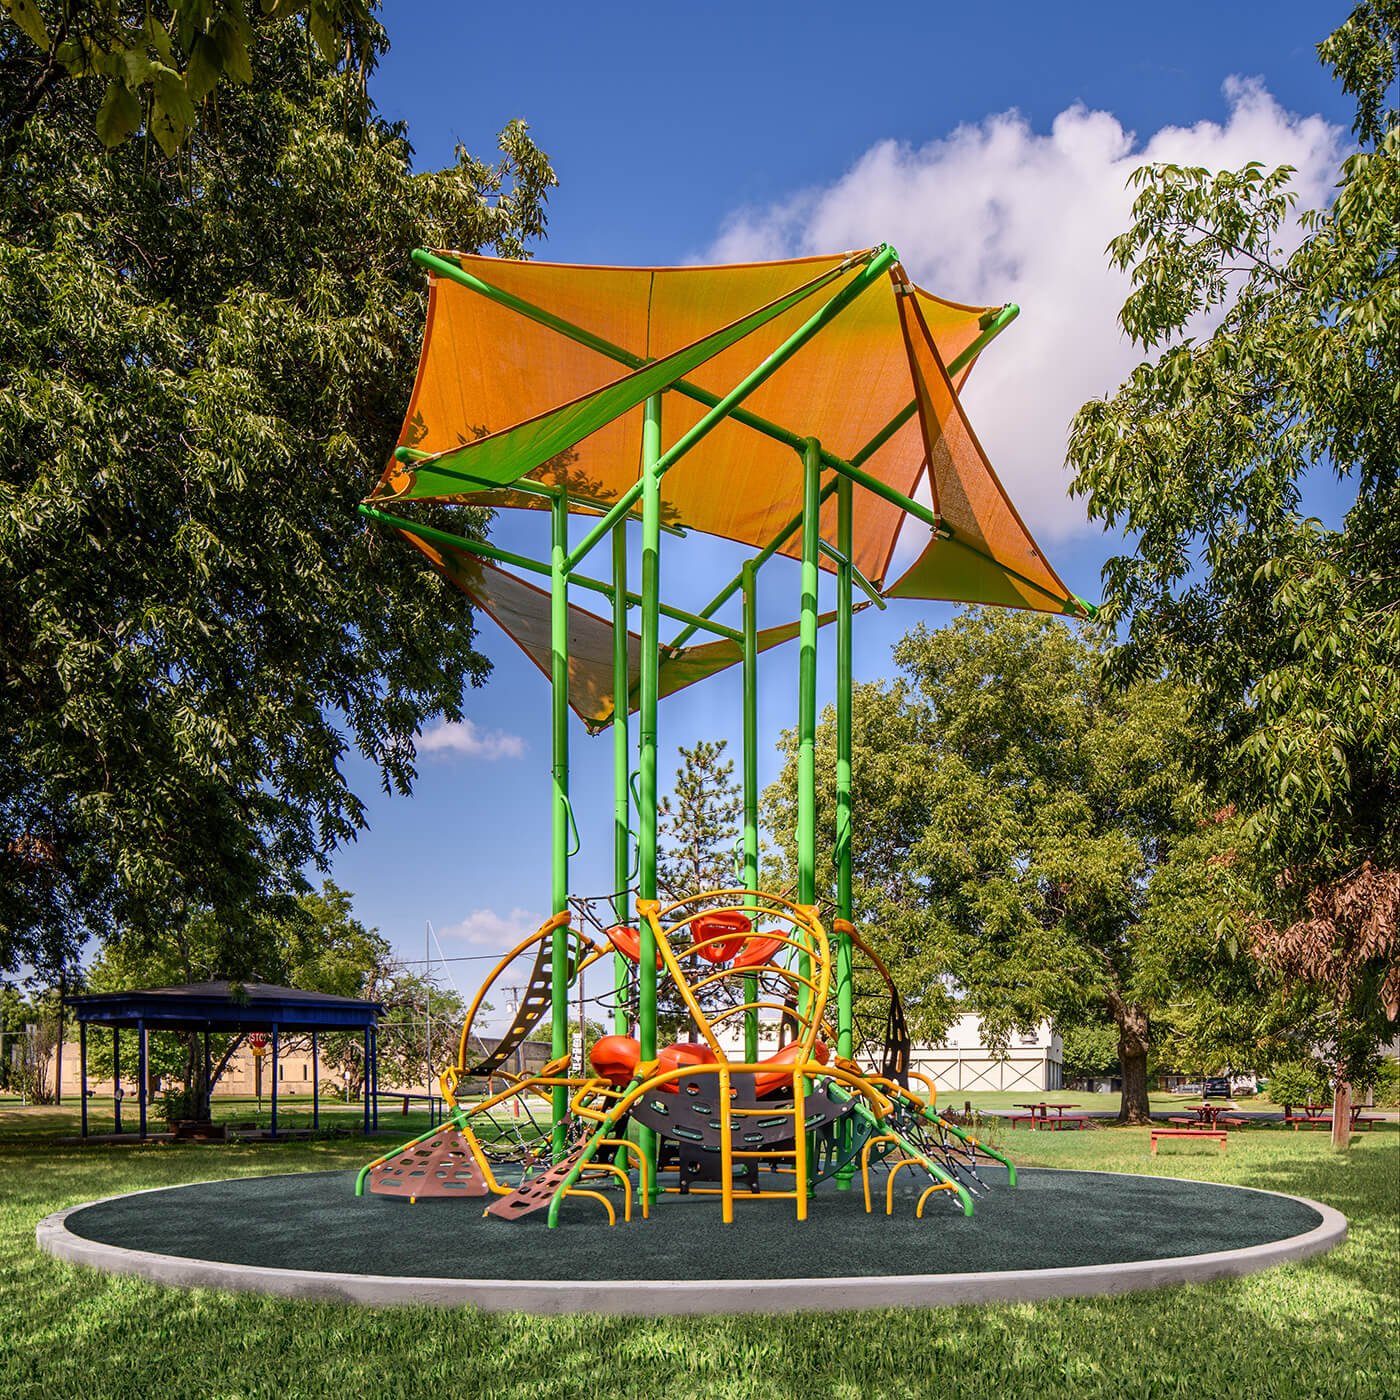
(428, 1011)
(513, 1007)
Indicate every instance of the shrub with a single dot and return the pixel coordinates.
(180, 1105)
(1298, 1082)
(1387, 1091)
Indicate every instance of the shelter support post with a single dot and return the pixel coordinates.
(208, 1087)
(649, 688)
(315, 1083)
(807, 697)
(622, 763)
(276, 1075)
(844, 829)
(116, 1079)
(749, 582)
(141, 1064)
(82, 1071)
(374, 1070)
(559, 880)
(368, 1080)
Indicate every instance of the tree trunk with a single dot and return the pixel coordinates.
(1134, 1037)
(1341, 1116)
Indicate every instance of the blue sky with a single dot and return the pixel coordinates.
(989, 145)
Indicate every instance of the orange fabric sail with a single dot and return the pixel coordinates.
(522, 611)
(487, 371)
(989, 556)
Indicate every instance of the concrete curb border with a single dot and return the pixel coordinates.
(665, 1298)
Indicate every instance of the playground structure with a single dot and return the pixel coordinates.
(790, 430)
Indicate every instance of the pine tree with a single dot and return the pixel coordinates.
(699, 824)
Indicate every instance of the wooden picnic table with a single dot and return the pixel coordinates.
(1041, 1110)
(1209, 1112)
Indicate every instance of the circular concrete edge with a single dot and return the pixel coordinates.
(667, 1298)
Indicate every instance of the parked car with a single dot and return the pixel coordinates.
(1217, 1088)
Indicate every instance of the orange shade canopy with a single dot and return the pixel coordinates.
(503, 397)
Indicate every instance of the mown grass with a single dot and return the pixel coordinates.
(1326, 1327)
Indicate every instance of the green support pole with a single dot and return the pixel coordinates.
(807, 692)
(649, 689)
(845, 951)
(622, 803)
(559, 887)
(749, 576)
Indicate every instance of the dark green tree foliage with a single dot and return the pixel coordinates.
(1090, 1051)
(698, 824)
(160, 63)
(1012, 820)
(203, 363)
(315, 944)
(1289, 630)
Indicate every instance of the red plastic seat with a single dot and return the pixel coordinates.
(716, 925)
(789, 1055)
(682, 1054)
(757, 951)
(615, 1058)
(628, 942)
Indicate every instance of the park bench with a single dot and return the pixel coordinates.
(1072, 1120)
(1221, 1137)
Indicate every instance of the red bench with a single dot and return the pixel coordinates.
(1221, 1137)
(1071, 1120)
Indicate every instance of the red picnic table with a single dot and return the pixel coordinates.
(1320, 1116)
(1041, 1111)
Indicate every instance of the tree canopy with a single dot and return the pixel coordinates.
(1275, 339)
(204, 359)
(698, 823)
(1017, 826)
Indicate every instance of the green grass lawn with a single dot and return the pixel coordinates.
(1326, 1327)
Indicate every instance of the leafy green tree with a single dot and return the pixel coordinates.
(893, 790)
(158, 70)
(316, 945)
(1090, 1051)
(204, 360)
(1022, 817)
(698, 824)
(1287, 629)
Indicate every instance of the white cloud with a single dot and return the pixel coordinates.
(996, 212)
(466, 739)
(493, 932)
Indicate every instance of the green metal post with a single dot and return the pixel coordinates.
(845, 952)
(749, 575)
(807, 691)
(622, 802)
(559, 885)
(649, 688)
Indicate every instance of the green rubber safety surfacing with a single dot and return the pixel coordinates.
(1050, 1220)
